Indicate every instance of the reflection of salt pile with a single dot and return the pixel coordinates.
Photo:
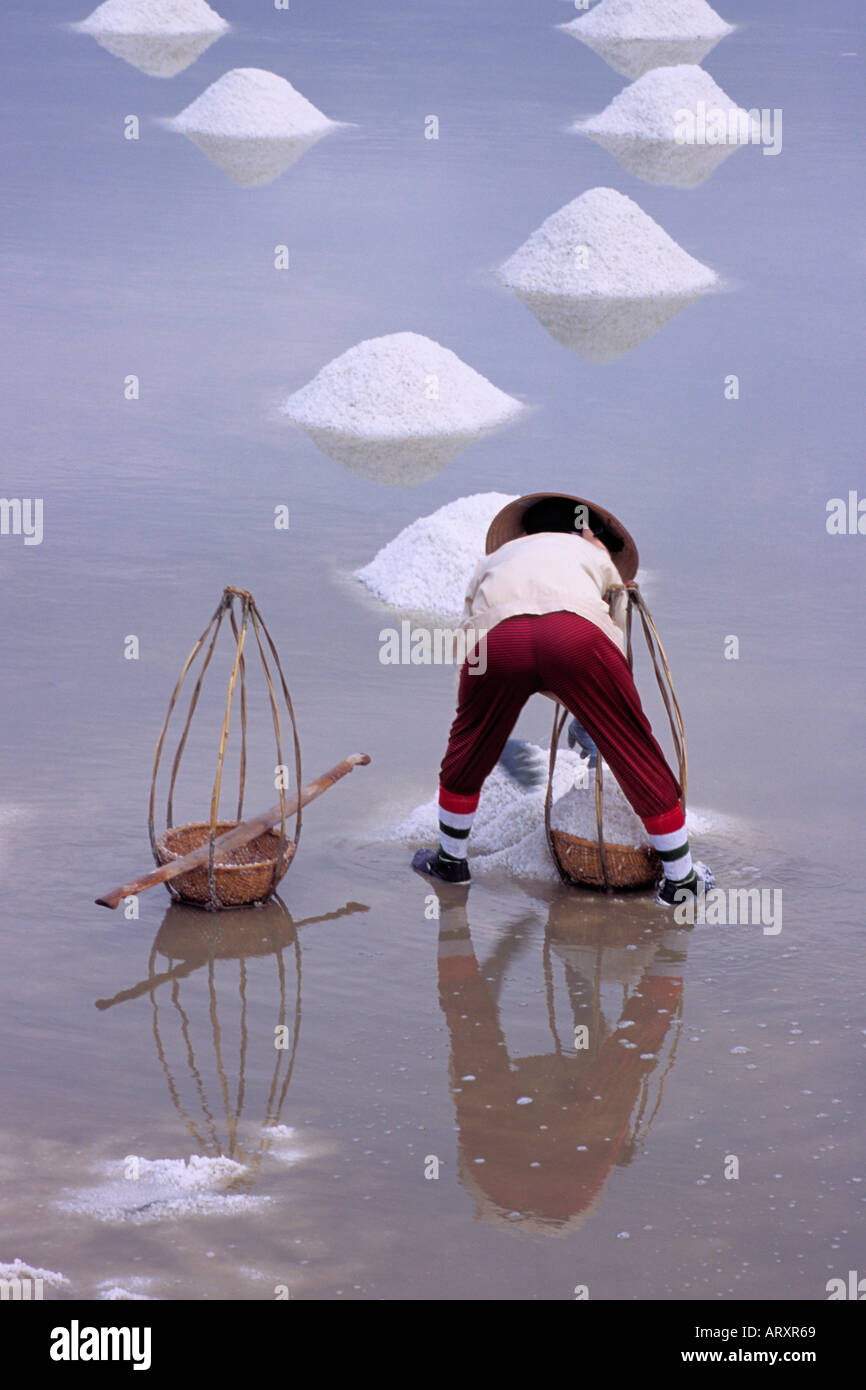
(164, 1187)
(508, 831)
(640, 126)
(427, 566)
(602, 276)
(252, 124)
(159, 37)
(397, 409)
(636, 35)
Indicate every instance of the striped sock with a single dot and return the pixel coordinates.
(668, 838)
(456, 814)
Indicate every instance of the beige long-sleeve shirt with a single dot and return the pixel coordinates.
(546, 573)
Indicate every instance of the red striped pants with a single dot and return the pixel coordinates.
(574, 660)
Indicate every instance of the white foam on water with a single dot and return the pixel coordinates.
(396, 409)
(602, 276)
(427, 566)
(165, 1188)
(252, 124)
(639, 127)
(19, 1270)
(158, 37)
(634, 36)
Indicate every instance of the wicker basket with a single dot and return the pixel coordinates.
(246, 876)
(628, 866)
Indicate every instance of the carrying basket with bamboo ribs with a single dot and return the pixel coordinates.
(627, 866)
(249, 873)
(597, 863)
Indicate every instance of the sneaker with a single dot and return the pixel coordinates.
(668, 889)
(429, 861)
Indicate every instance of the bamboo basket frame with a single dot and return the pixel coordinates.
(240, 880)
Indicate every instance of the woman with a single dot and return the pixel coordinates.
(548, 601)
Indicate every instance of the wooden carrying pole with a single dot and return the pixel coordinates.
(239, 835)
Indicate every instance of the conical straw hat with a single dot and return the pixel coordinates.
(507, 526)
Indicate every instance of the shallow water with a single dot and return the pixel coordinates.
(139, 257)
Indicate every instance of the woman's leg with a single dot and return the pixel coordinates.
(488, 704)
(489, 701)
(590, 675)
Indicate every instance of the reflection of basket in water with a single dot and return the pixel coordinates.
(265, 1041)
(628, 866)
(201, 1081)
(246, 875)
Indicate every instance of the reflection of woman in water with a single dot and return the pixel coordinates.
(540, 1135)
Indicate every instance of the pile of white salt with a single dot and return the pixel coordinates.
(508, 831)
(253, 125)
(601, 276)
(663, 127)
(634, 36)
(158, 37)
(426, 567)
(397, 409)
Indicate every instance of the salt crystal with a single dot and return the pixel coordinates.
(640, 126)
(397, 409)
(602, 276)
(252, 124)
(426, 567)
(634, 36)
(158, 37)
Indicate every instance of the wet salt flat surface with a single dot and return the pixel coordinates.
(410, 1038)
